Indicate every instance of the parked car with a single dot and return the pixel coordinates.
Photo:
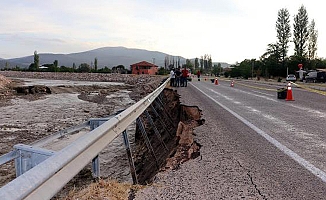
(316, 76)
(321, 77)
(291, 77)
(311, 76)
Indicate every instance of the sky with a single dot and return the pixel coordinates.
(228, 30)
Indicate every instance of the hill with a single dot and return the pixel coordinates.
(106, 56)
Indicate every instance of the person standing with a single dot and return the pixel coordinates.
(172, 76)
(198, 75)
(184, 77)
(177, 77)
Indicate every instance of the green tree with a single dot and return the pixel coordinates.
(196, 64)
(73, 67)
(7, 66)
(104, 70)
(300, 33)
(65, 69)
(271, 59)
(84, 67)
(32, 67)
(36, 60)
(209, 62)
(235, 71)
(246, 68)
(215, 70)
(119, 69)
(283, 29)
(166, 62)
(201, 63)
(162, 71)
(55, 65)
(188, 65)
(312, 41)
(95, 64)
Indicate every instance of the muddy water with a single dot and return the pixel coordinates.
(49, 83)
(27, 119)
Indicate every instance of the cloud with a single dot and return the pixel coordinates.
(229, 30)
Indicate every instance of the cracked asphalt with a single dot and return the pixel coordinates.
(235, 163)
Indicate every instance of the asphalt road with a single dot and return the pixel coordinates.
(254, 146)
(283, 142)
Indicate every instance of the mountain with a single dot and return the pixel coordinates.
(106, 56)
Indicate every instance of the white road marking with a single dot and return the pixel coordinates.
(306, 164)
(263, 93)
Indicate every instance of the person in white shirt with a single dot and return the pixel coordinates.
(172, 76)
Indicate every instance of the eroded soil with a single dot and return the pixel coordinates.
(175, 142)
(33, 113)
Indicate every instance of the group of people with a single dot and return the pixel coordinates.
(179, 77)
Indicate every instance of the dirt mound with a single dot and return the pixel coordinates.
(4, 82)
(4, 87)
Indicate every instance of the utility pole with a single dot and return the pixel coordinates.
(252, 69)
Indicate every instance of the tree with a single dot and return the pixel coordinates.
(209, 62)
(55, 65)
(271, 59)
(283, 30)
(119, 69)
(7, 66)
(84, 67)
(166, 62)
(196, 64)
(32, 67)
(201, 63)
(216, 70)
(312, 41)
(36, 60)
(300, 32)
(74, 66)
(95, 64)
(104, 70)
(178, 60)
(65, 69)
(188, 65)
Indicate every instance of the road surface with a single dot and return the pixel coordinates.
(255, 146)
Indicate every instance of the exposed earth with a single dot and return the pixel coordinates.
(35, 109)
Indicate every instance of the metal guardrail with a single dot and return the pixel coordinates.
(47, 178)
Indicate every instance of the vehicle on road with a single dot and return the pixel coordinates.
(316, 76)
(291, 77)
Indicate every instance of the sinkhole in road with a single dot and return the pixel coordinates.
(177, 144)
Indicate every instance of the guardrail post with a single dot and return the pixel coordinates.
(94, 123)
(96, 167)
(129, 154)
(29, 157)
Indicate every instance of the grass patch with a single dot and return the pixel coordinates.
(105, 189)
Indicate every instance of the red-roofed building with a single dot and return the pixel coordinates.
(144, 68)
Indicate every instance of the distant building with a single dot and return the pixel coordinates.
(144, 68)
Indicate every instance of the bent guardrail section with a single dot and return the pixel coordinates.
(47, 178)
